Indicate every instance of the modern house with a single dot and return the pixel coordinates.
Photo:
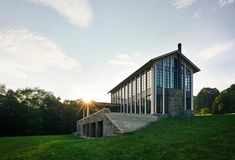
(162, 86)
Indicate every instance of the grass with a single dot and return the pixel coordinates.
(202, 137)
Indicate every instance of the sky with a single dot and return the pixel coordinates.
(84, 48)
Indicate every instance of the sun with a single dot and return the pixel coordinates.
(86, 100)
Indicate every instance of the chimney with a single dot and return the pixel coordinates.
(179, 47)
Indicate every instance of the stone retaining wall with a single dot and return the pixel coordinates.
(108, 127)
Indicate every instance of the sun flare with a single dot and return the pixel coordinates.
(87, 100)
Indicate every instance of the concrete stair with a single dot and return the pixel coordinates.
(130, 122)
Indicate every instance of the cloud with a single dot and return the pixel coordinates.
(179, 4)
(77, 12)
(225, 2)
(22, 51)
(215, 50)
(197, 14)
(122, 59)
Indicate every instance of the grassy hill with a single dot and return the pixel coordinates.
(205, 137)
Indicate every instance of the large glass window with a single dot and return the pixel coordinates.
(182, 77)
(143, 83)
(148, 104)
(166, 64)
(129, 107)
(158, 78)
(126, 90)
(130, 90)
(123, 94)
(167, 72)
(138, 85)
(133, 107)
(149, 79)
(188, 88)
(133, 87)
(174, 73)
(142, 105)
(120, 96)
(138, 106)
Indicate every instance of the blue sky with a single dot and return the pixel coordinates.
(83, 48)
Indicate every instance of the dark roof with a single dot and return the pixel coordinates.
(105, 104)
(150, 63)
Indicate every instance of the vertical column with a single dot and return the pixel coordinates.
(163, 88)
(191, 90)
(88, 111)
(83, 113)
(152, 90)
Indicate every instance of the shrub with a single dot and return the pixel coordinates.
(205, 110)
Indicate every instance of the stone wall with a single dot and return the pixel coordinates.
(175, 102)
(108, 127)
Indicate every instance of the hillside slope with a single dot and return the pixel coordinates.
(206, 137)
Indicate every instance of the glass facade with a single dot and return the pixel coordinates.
(133, 88)
(166, 64)
(138, 106)
(143, 105)
(130, 90)
(138, 85)
(174, 73)
(148, 104)
(188, 88)
(183, 81)
(158, 82)
(133, 107)
(166, 75)
(182, 77)
(143, 83)
(149, 79)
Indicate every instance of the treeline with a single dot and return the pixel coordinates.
(210, 100)
(35, 111)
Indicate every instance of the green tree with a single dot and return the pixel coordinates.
(205, 98)
(225, 102)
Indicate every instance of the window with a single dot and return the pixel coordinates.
(174, 73)
(142, 105)
(120, 96)
(159, 96)
(129, 108)
(133, 107)
(188, 80)
(166, 64)
(138, 85)
(182, 77)
(123, 94)
(126, 90)
(130, 90)
(133, 87)
(138, 106)
(159, 74)
(188, 88)
(149, 79)
(143, 83)
(148, 104)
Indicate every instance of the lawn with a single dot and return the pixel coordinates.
(200, 137)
